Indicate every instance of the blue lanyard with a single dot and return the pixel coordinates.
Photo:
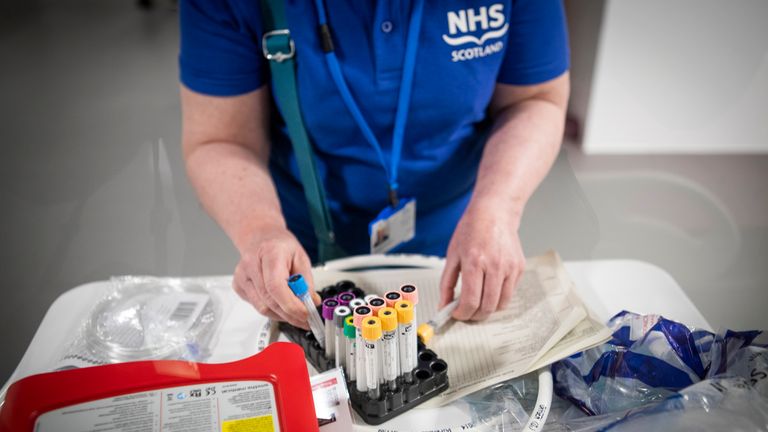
(403, 100)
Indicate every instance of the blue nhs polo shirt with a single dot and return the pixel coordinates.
(465, 48)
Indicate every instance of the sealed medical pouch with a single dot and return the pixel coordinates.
(269, 391)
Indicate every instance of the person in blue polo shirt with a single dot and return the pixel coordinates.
(455, 106)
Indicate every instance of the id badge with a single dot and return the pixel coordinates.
(393, 226)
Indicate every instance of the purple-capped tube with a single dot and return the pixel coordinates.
(344, 298)
(330, 329)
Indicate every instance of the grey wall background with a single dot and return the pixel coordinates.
(93, 183)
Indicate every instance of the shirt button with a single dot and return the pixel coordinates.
(386, 26)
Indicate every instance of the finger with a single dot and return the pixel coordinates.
(238, 283)
(246, 289)
(471, 291)
(492, 281)
(262, 301)
(302, 265)
(275, 270)
(448, 280)
(509, 287)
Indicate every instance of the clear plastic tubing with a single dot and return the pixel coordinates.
(392, 297)
(299, 287)
(350, 333)
(411, 293)
(390, 356)
(406, 338)
(330, 329)
(340, 341)
(360, 313)
(371, 342)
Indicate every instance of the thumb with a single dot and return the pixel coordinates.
(448, 281)
(302, 264)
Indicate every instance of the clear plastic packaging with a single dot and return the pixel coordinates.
(147, 318)
(655, 374)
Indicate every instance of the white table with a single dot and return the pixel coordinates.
(607, 286)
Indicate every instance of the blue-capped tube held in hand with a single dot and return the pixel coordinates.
(299, 287)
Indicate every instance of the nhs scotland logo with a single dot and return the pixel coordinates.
(475, 27)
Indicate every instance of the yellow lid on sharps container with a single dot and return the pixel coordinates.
(372, 329)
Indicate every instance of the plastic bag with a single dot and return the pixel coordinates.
(146, 318)
(656, 374)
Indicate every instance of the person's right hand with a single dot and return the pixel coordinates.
(261, 276)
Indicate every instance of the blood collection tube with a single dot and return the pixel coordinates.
(330, 328)
(360, 313)
(429, 328)
(406, 338)
(350, 334)
(357, 303)
(411, 294)
(376, 303)
(369, 297)
(299, 287)
(344, 298)
(392, 297)
(340, 342)
(371, 342)
(390, 357)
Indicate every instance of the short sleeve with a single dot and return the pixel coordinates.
(537, 47)
(220, 52)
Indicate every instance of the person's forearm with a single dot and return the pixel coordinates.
(236, 189)
(523, 144)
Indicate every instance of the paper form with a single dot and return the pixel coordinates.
(545, 322)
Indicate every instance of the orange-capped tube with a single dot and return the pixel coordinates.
(359, 314)
(376, 303)
(410, 293)
(392, 297)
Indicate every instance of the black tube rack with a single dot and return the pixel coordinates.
(430, 376)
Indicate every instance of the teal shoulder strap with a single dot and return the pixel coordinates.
(279, 49)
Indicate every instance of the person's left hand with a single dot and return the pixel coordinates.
(485, 249)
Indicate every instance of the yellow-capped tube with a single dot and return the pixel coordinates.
(371, 342)
(390, 354)
(406, 339)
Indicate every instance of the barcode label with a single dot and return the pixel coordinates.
(183, 311)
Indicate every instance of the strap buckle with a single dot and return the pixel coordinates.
(284, 47)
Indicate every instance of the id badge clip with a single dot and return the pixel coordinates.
(393, 226)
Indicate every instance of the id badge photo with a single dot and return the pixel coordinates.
(393, 226)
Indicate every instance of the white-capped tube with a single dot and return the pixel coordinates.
(299, 287)
(340, 341)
